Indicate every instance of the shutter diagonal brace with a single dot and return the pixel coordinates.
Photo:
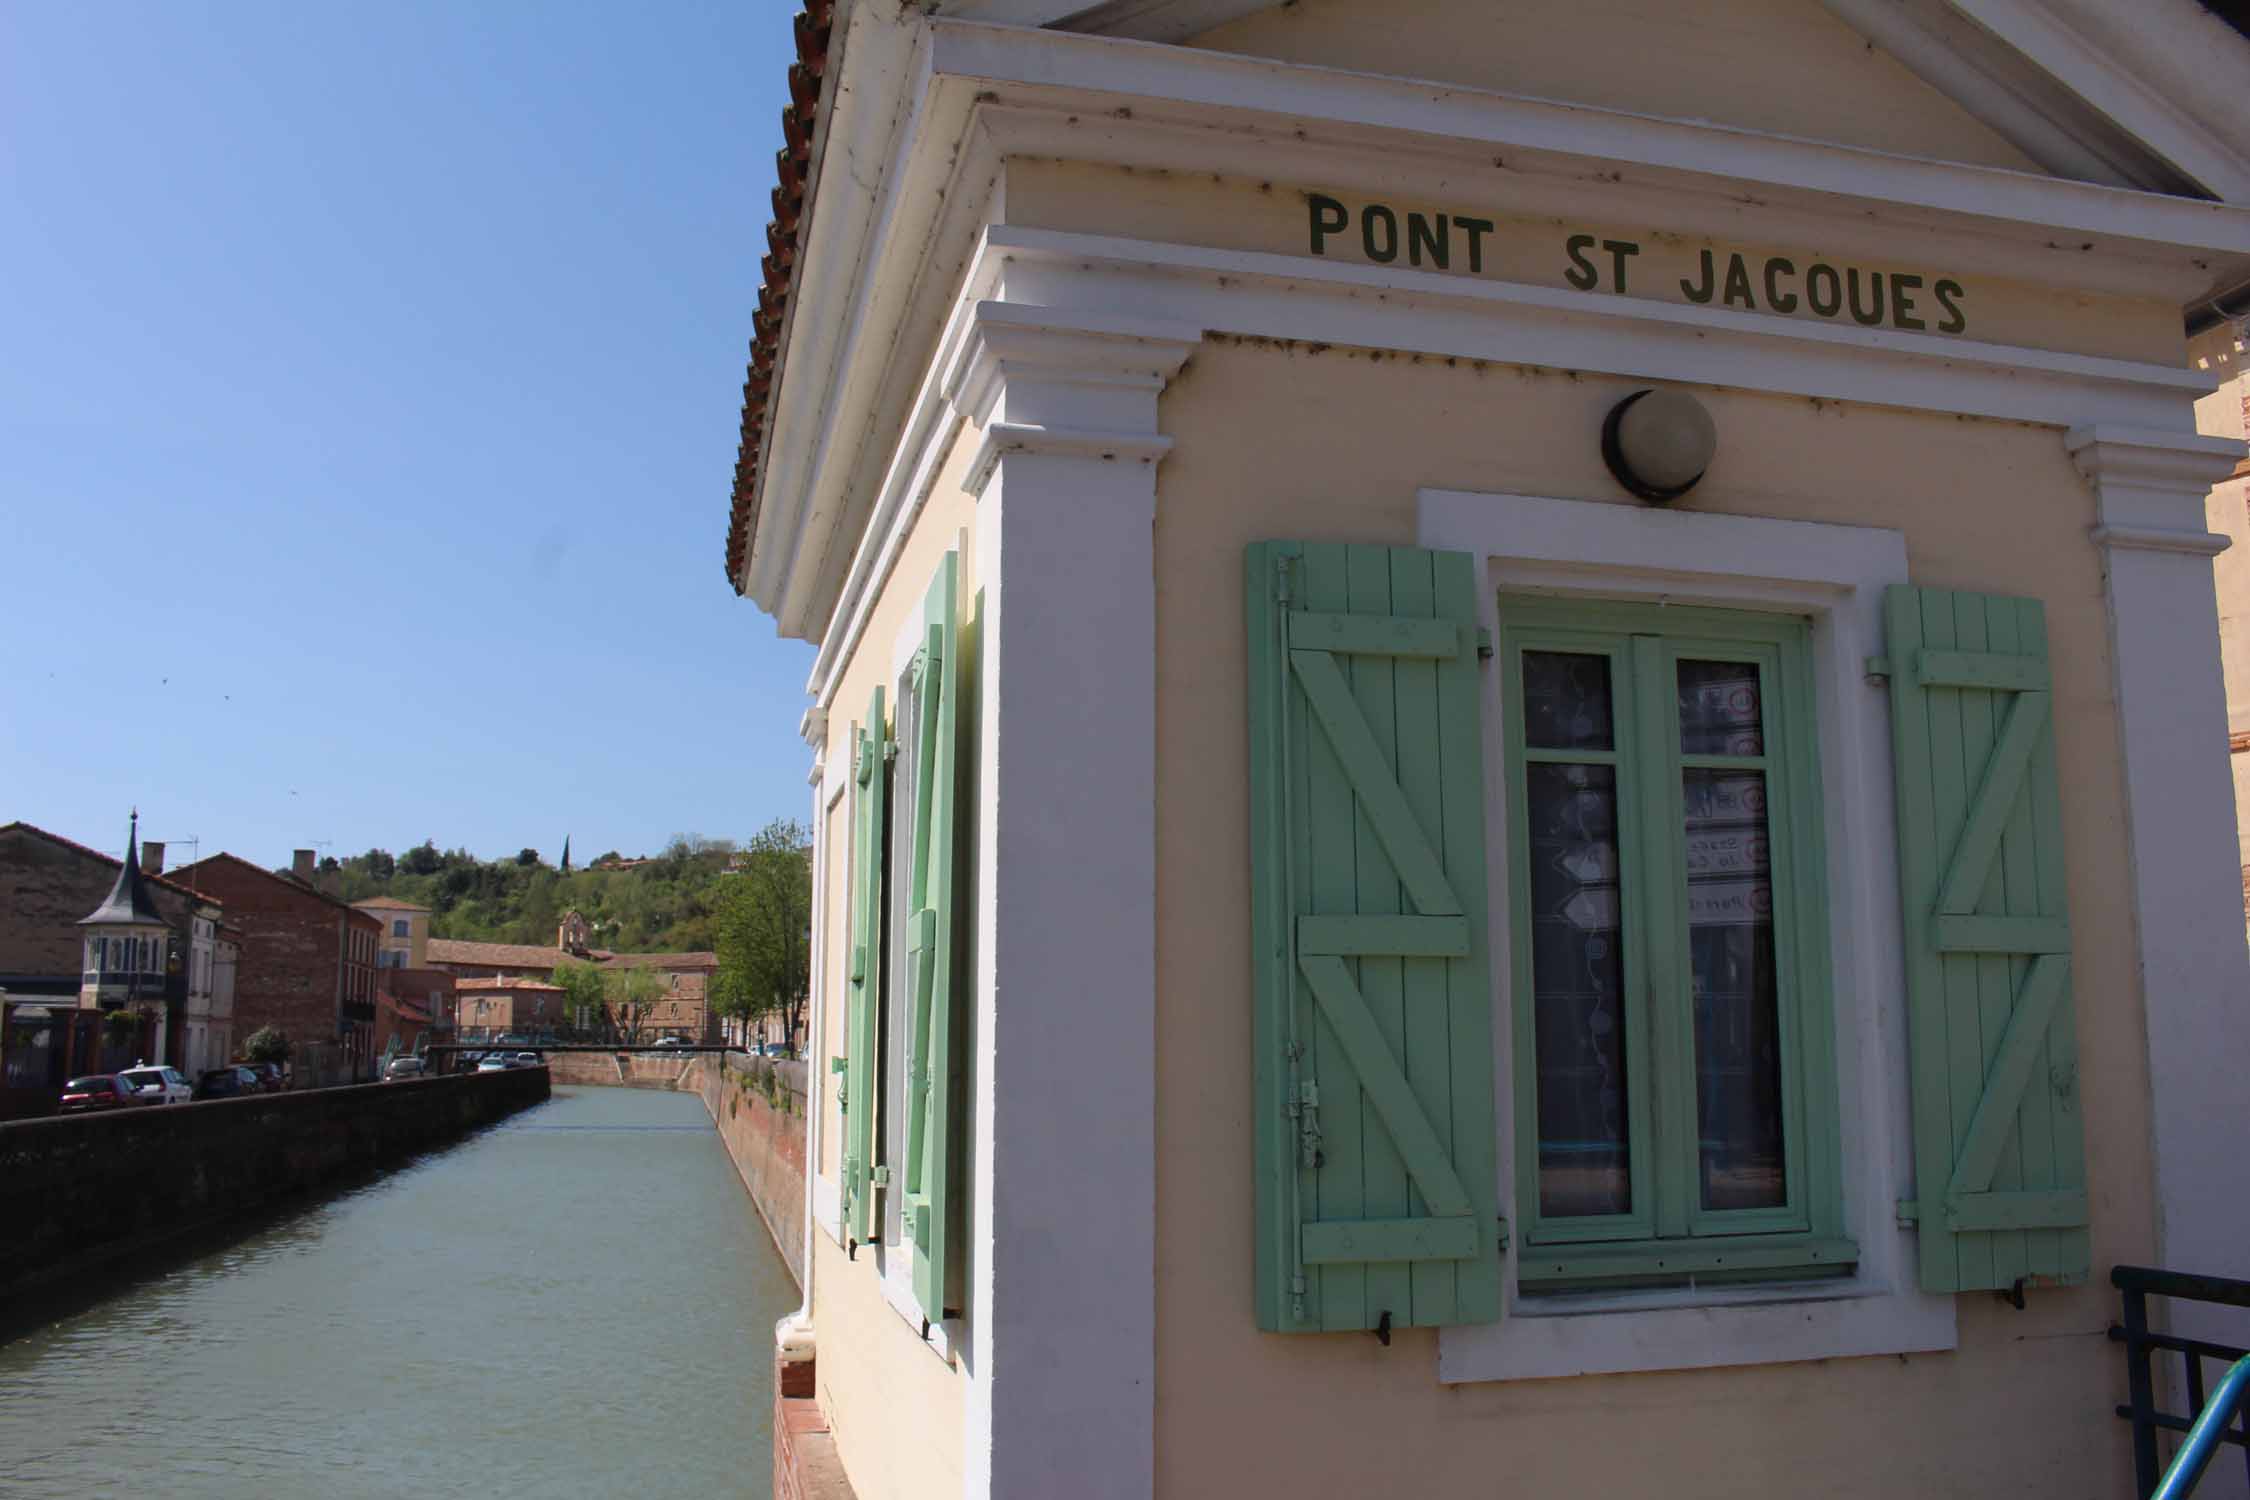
(2011, 1069)
(1996, 798)
(1419, 869)
(1386, 1087)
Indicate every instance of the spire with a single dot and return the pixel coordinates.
(566, 854)
(128, 898)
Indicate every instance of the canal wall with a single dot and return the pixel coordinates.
(759, 1108)
(629, 1070)
(82, 1189)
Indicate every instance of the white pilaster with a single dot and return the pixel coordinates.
(2180, 828)
(1062, 1349)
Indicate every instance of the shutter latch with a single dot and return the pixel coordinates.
(1306, 1109)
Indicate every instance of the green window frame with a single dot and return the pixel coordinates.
(1643, 1213)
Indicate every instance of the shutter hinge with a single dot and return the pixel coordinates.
(890, 751)
(1877, 668)
(1909, 1213)
(1504, 1234)
(838, 1064)
(880, 1176)
(1281, 579)
(1484, 644)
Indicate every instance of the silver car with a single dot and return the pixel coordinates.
(158, 1084)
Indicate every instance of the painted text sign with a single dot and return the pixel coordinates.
(1716, 276)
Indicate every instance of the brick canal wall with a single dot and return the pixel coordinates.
(759, 1107)
(78, 1190)
(631, 1070)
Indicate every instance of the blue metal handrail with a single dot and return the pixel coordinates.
(2204, 1437)
(2143, 1344)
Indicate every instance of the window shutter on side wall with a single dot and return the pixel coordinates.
(1376, 1193)
(1999, 1149)
(933, 943)
(862, 1081)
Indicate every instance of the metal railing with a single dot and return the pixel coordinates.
(2209, 1420)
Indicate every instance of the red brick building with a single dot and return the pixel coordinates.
(47, 884)
(307, 965)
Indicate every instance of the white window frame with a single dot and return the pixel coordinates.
(1835, 576)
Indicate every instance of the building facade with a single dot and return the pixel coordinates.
(51, 1023)
(1513, 740)
(306, 965)
(404, 942)
(507, 1006)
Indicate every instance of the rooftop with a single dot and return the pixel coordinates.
(387, 903)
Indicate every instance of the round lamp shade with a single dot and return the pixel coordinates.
(1658, 443)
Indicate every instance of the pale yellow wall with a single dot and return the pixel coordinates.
(1234, 213)
(1776, 65)
(895, 1406)
(2226, 413)
(1281, 442)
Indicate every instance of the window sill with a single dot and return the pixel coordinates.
(1547, 1335)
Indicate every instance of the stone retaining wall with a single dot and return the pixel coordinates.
(78, 1190)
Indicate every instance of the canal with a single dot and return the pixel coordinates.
(579, 1301)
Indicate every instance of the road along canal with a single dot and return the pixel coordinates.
(578, 1301)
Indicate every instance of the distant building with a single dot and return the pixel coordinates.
(686, 1006)
(307, 962)
(405, 939)
(58, 983)
(500, 1006)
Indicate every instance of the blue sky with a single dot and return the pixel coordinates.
(368, 406)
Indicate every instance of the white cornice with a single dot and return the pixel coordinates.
(1228, 91)
(1004, 438)
(909, 179)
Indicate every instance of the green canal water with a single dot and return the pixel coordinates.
(579, 1301)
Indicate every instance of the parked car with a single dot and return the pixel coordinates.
(97, 1091)
(527, 1060)
(408, 1066)
(493, 1062)
(673, 1041)
(226, 1083)
(158, 1085)
(271, 1080)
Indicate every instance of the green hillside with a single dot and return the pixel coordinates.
(667, 903)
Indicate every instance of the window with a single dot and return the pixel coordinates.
(1672, 1011)
(399, 927)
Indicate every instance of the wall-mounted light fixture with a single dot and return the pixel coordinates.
(1659, 443)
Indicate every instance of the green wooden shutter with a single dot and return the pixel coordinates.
(1375, 1169)
(863, 1081)
(932, 1069)
(1999, 1152)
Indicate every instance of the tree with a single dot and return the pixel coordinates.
(268, 1044)
(583, 990)
(764, 930)
(527, 857)
(422, 859)
(632, 996)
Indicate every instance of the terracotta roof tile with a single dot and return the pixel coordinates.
(495, 955)
(792, 169)
(388, 903)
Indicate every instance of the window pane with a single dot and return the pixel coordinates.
(1737, 1001)
(1577, 983)
(1722, 711)
(1566, 701)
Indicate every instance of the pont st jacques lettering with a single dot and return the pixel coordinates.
(1751, 280)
